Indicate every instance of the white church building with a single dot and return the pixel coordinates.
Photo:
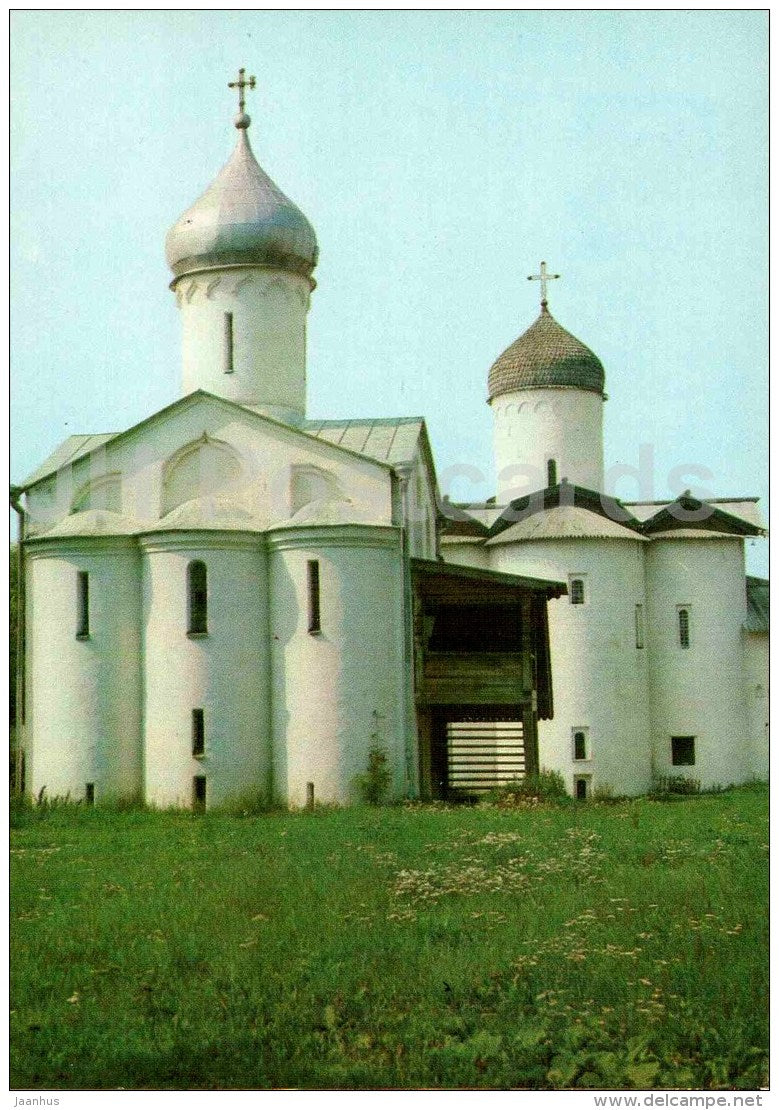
(230, 599)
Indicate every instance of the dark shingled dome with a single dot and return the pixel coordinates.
(546, 356)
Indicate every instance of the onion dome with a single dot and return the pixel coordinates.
(242, 219)
(546, 356)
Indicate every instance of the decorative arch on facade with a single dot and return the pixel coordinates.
(99, 493)
(311, 483)
(203, 467)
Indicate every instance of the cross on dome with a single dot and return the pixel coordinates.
(543, 277)
(242, 120)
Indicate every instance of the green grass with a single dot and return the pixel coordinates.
(620, 945)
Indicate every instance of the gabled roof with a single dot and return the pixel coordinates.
(758, 604)
(72, 448)
(566, 522)
(387, 439)
(455, 521)
(564, 494)
(744, 507)
(691, 514)
(69, 451)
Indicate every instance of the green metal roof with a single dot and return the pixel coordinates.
(758, 604)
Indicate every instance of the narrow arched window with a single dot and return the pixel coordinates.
(197, 598)
(579, 744)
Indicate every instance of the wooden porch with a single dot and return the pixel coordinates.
(482, 676)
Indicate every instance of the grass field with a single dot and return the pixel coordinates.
(576, 946)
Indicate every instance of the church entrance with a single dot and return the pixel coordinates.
(475, 749)
(482, 676)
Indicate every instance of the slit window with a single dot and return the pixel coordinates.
(82, 605)
(683, 616)
(314, 623)
(576, 590)
(199, 793)
(683, 751)
(198, 733)
(89, 794)
(228, 342)
(197, 598)
(580, 744)
(639, 626)
(551, 472)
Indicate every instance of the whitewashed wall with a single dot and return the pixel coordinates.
(698, 691)
(531, 426)
(267, 453)
(334, 689)
(84, 696)
(226, 672)
(599, 676)
(458, 550)
(269, 310)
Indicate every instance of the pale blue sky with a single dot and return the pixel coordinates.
(440, 156)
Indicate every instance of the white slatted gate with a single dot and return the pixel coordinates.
(483, 754)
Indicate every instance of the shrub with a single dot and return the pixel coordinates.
(544, 786)
(668, 785)
(604, 792)
(375, 783)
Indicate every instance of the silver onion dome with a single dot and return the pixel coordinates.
(242, 218)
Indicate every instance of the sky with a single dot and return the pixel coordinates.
(440, 156)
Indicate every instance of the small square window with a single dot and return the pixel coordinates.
(683, 751)
(576, 590)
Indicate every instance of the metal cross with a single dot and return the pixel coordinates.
(543, 277)
(240, 84)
